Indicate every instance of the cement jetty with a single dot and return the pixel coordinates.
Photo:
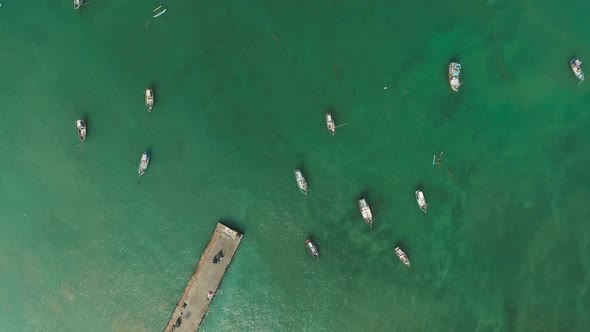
(202, 285)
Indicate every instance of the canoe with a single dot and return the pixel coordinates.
(160, 13)
(366, 212)
(454, 76)
(312, 248)
(149, 99)
(421, 200)
(301, 182)
(81, 125)
(402, 256)
(576, 66)
(330, 123)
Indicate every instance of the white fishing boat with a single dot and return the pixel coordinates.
(149, 99)
(81, 126)
(366, 212)
(312, 248)
(454, 76)
(576, 66)
(301, 182)
(330, 123)
(143, 164)
(78, 4)
(402, 257)
(421, 200)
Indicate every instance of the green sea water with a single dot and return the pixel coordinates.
(241, 91)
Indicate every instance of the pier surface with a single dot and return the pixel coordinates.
(194, 302)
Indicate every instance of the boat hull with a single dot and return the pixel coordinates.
(403, 257)
(421, 201)
(312, 248)
(330, 124)
(454, 76)
(160, 13)
(149, 99)
(81, 126)
(301, 181)
(366, 212)
(143, 163)
(575, 65)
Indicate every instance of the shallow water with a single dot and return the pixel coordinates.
(241, 91)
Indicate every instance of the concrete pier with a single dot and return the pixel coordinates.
(202, 285)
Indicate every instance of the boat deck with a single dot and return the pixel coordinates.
(193, 303)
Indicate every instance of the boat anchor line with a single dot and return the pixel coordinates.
(499, 56)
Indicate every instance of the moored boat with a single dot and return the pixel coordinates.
(421, 200)
(160, 13)
(143, 163)
(330, 123)
(366, 212)
(78, 4)
(301, 182)
(454, 76)
(576, 66)
(149, 99)
(402, 256)
(81, 125)
(312, 248)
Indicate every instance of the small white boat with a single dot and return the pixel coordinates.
(78, 4)
(149, 99)
(301, 182)
(454, 76)
(576, 66)
(312, 248)
(402, 257)
(143, 164)
(160, 13)
(421, 200)
(81, 125)
(366, 212)
(330, 123)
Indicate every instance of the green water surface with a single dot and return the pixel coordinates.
(241, 90)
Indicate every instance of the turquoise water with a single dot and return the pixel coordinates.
(241, 90)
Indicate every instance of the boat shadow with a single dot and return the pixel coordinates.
(419, 186)
(86, 119)
(402, 244)
(331, 109)
(154, 88)
(371, 198)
